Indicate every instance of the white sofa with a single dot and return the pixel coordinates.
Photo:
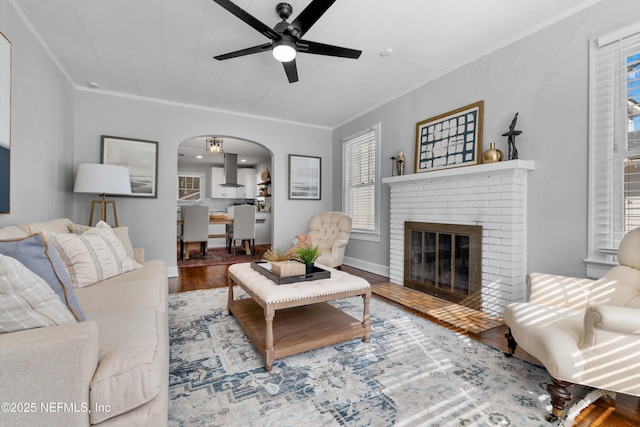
(111, 369)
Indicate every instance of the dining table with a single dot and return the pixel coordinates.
(216, 219)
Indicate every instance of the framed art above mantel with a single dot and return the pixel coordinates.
(451, 139)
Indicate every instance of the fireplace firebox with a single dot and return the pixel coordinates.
(444, 260)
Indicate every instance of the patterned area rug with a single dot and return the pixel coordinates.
(413, 373)
(220, 256)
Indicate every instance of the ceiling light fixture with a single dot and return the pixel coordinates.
(386, 52)
(284, 50)
(214, 145)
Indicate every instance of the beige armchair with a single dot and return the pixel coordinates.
(330, 231)
(583, 331)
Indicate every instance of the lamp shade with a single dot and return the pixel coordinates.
(98, 178)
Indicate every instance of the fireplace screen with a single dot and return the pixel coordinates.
(444, 260)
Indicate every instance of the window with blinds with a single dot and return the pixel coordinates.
(614, 141)
(360, 179)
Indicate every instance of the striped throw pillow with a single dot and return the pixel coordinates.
(92, 256)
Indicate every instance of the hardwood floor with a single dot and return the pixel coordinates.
(622, 412)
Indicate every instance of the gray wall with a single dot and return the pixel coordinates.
(152, 222)
(544, 77)
(42, 122)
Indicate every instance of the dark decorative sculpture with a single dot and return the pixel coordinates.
(511, 141)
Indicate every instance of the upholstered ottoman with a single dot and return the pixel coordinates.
(282, 320)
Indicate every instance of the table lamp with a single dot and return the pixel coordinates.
(102, 179)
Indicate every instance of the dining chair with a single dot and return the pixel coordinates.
(244, 227)
(195, 228)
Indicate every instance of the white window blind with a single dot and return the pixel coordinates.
(359, 178)
(614, 141)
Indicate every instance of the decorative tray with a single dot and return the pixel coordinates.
(264, 268)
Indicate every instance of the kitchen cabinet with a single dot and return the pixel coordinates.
(246, 177)
(217, 192)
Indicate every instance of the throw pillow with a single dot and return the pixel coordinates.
(92, 256)
(26, 301)
(12, 232)
(34, 253)
(58, 225)
(122, 233)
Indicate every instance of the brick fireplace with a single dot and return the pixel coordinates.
(493, 196)
(444, 260)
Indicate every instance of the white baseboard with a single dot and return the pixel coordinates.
(172, 271)
(381, 270)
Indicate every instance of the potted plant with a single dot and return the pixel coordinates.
(308, 254)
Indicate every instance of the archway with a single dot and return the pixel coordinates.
(200, 173)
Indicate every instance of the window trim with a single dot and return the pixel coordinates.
(359, 234)
(203, 187)
(600, 259)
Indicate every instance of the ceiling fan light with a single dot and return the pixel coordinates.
(284, 51)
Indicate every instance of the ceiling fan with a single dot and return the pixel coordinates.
(286, 38)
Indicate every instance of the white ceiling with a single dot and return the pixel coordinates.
(163, 49)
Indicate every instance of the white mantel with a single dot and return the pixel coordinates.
(492, 195)
(506, 167)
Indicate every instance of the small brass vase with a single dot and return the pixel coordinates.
(492, 155)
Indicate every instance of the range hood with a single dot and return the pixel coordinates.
(231, 171)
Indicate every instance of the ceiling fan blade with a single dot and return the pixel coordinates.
(243, 52)
(249, 19)
(316, 48)
(292, 70)
(310, 15)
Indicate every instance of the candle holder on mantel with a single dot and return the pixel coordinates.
(400, 163)
(397, 164)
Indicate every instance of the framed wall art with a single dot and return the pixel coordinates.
(5, 124)
(140, 156)
(304, 177)
(451, 139)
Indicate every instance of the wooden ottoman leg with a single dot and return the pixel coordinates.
(230, 283)
(269, 353)
(366, 320)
